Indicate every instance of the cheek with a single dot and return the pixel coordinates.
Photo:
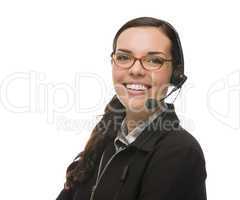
(118, 78)
(161, 80)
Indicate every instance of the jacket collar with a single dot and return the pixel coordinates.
(160, 126)
(128, 138)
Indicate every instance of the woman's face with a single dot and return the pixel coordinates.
(140, 41)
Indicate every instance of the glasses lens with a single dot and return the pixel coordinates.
(123, 60)
(153, 62)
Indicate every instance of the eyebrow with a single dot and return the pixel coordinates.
(150, 52)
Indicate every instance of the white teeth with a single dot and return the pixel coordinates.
(136, 87)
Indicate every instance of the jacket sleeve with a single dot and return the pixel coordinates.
(178, 174)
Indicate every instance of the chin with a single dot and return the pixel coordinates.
(134, 104)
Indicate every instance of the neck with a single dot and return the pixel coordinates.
(133, 119)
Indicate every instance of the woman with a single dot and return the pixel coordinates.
(138, 150)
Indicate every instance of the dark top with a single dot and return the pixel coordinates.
(164, 163)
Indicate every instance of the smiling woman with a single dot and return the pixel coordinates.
(135, 152)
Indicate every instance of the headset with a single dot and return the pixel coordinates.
(178, 77)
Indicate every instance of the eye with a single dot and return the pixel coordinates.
(121, 57)
(155, 60)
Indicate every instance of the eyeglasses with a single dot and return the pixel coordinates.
(148, 62)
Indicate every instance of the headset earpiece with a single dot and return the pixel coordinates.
(177, 76)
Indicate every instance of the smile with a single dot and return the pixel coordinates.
(136, 89)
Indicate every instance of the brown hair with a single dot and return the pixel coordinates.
(84, 164)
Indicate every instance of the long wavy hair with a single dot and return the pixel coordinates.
(83, 166)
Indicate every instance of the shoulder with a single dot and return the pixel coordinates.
(179, 145)
(175, 136)
(177, 156)
(182, 139)
(176, 168)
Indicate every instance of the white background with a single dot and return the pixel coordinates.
(48, 46)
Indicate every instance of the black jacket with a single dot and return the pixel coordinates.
(164, 163)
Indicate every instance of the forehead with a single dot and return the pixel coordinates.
(141, 40)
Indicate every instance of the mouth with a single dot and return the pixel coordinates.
(136, 88)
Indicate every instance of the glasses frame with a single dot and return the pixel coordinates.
(140, 60)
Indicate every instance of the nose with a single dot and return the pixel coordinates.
(137, 69)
